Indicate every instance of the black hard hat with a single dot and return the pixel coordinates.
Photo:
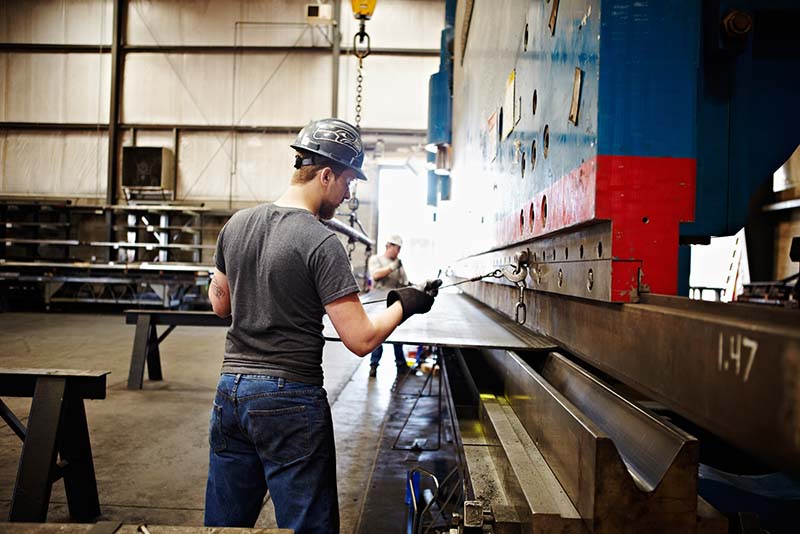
(335, 139)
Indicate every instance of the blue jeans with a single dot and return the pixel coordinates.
(269, 433)
(399, 356)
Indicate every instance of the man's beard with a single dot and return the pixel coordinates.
(327, 210)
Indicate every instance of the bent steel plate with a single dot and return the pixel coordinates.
(732, 369)
(455, 320)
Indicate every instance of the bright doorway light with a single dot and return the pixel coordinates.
(402, 210)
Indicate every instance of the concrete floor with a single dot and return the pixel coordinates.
(150, 447)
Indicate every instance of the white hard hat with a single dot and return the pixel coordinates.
(395, 240)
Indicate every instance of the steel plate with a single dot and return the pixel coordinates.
(455, 320)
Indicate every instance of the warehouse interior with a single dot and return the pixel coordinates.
(607, 190)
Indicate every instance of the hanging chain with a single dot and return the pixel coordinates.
(360, 37)
(359, 88)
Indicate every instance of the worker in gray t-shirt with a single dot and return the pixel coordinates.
(278, 270)
(387, 272)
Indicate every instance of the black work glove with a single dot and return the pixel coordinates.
(415, 299)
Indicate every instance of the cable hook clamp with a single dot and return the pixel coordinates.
(360, 37)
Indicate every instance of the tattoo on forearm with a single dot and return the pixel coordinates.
(218, 291)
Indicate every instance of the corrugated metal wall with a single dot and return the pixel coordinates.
(55, 99)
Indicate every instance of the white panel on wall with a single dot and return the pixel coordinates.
(177, 89)
(56, 21)
(290, 94)
(263, 166)
(395, 91)
(62, 164)
(243, 22)
(399, 24)
(56, 88)
(272, 89)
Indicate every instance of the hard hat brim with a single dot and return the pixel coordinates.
(359, 173)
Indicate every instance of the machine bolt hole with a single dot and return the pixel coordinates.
(531, 217)
(546, 140)
(525, 42)
(522, 166)
(533, 154)
(599, 249)
(533, 102)
(581, 251)
(645, 220)
(590, 280)
(566, 253)
(544, 211)
(560, 278)
(521, 221)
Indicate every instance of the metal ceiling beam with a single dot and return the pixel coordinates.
(42, 48)
(229, 49)
(336, 49)
(263, 129)
(194, 128)
(53, 126)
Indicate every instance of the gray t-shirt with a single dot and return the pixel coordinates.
(283, 267)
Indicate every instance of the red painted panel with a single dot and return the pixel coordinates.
(645, 198)
(570, 201)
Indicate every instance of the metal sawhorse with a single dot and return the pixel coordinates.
(55, 443)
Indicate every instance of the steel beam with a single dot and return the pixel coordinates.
(730, 368)
(336, 37)
(290, 130)
(81, 126)
(117, 40)
(217, 49)
(45, 48)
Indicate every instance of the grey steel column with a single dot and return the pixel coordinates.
(113, 114)
(336, 37)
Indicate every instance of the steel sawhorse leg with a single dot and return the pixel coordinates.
(57, 423)
(145, 350)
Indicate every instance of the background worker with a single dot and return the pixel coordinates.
(387, 272)
(278, 270)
